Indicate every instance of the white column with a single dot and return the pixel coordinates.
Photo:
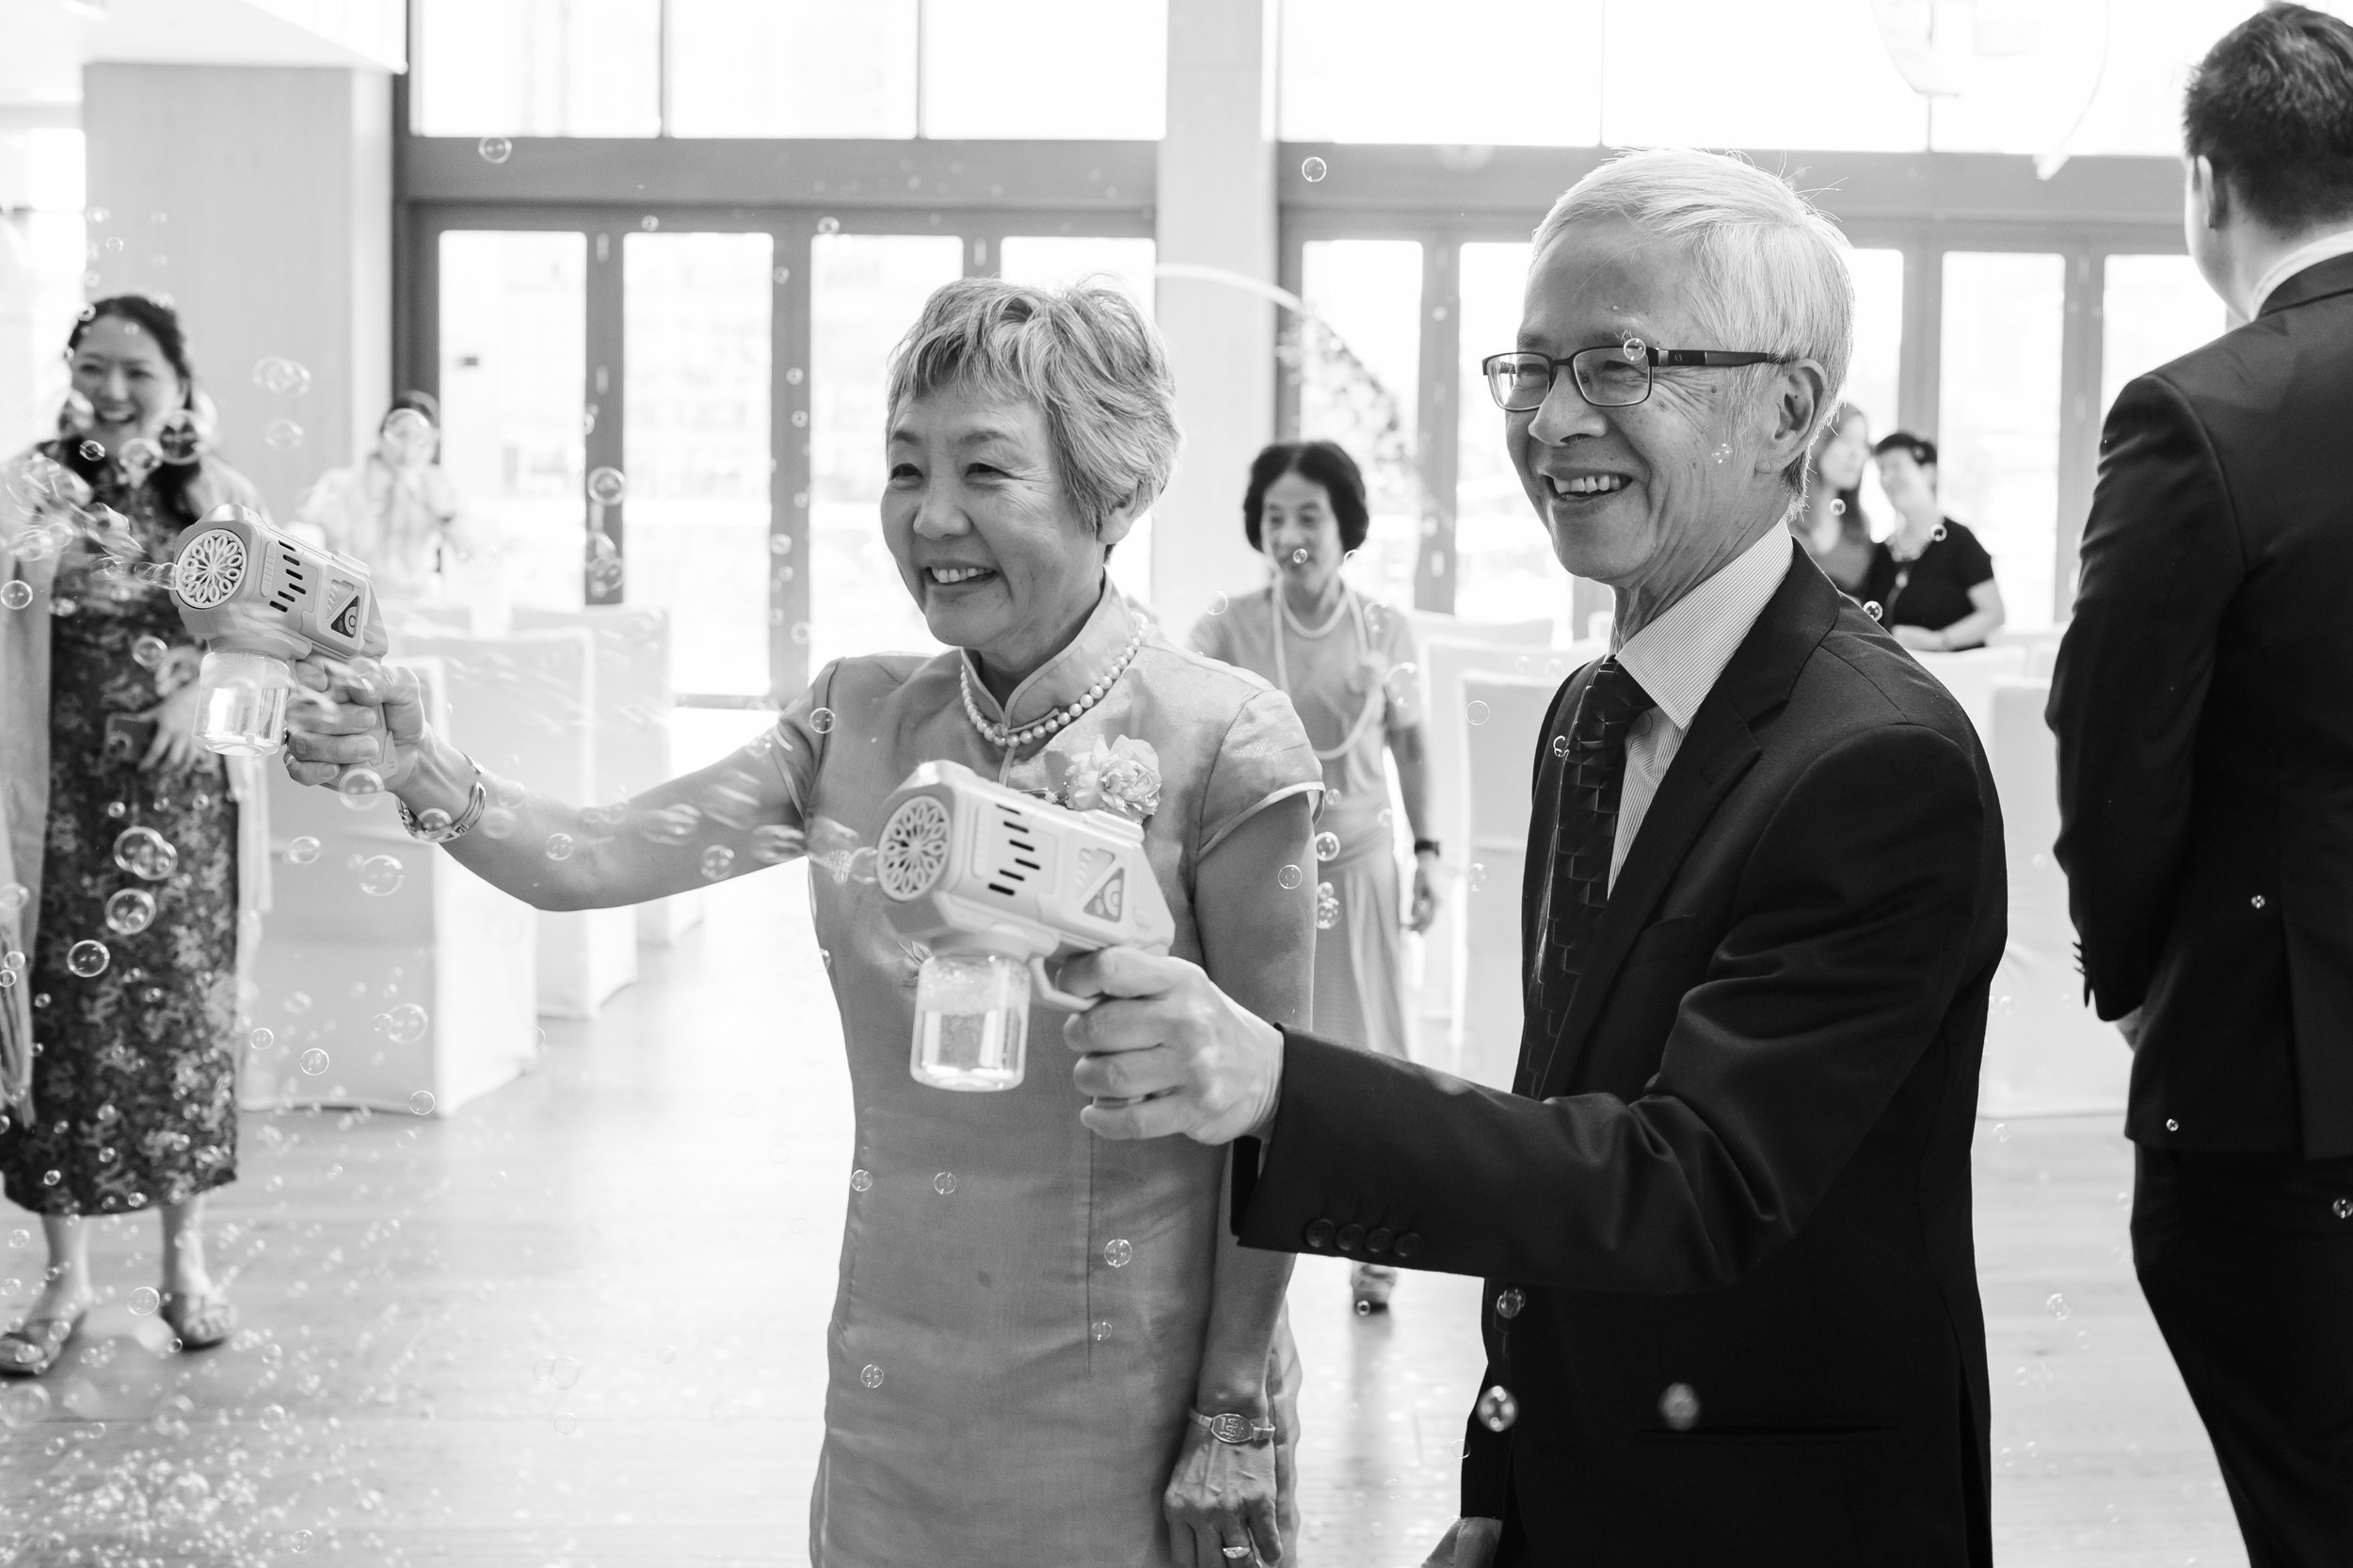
(259, 197)
(1216, 209)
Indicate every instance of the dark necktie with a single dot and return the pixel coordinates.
(1584, 834)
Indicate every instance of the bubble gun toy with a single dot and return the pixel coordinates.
(995, 882)
(259, 598)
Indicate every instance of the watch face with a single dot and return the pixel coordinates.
(1230, 1428)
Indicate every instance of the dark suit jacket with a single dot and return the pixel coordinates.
(1744, 1164)
(2203, 702)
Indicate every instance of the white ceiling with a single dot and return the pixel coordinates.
(44, 43)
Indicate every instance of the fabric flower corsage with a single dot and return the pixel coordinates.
(1121, 777)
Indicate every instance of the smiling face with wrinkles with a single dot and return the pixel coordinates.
(986, 535)
(1651, 499)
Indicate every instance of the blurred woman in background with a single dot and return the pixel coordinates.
(1831, 523)
(1349, 667)
(395, 508)
(1932, 581)
(128, 849)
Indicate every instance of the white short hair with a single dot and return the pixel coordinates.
(1778, 264)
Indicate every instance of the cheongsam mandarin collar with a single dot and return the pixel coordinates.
(1065, 678)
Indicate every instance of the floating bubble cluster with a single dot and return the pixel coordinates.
(1497, 1409)
(145, 853)
(130, 911)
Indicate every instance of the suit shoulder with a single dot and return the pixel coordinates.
(1859, 680)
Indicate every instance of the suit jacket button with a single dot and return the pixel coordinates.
(1377, 1241)
(1409, 1244)
(1352, 1237)
(1318, 1234)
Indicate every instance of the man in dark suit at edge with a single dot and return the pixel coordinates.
(1731, 1310)
(2203, 703)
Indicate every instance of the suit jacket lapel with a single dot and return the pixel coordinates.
(1719, 747)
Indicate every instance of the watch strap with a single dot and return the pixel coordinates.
(477, 799)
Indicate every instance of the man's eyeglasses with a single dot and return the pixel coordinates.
(1613, 375)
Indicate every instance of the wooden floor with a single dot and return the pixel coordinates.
(582, 1324)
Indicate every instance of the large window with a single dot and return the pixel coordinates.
(1999, 435)
(1358, 357)
(1040, 69)
(2155, 309)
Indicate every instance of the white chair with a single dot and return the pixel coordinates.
(335, 957)
(525, 706)
(2046, 1052)
(631, 646)
(1970, 676)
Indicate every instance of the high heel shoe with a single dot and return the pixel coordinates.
(34, 1345)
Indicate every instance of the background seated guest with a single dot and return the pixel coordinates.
(1831, 523)
(1347, 666)
(1731, 1308)
(395, 508)
(1931, 578)
(1030, 1337)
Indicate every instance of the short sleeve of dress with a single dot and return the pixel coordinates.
(1265, 758)
(795, 747)
(1401, 668)
(1972, 565)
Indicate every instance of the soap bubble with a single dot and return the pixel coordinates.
(1100, 1330)
(495, 149)
(262, 1039)
(420, 1103)
(24, 1404)
(283, 433)
(559, 846)
(1118, 1254)
(497, 822)
(404, 1025)
(145, 853)
(861, 1181)
(1508, 1302)
(283, 377)
(607, 486)
(360, 788)
(1497, 1409)
(146, 652)
(314, 1062)
(1476, 712)
(559, 1371)
(130, 911)
(716, 862)
(298, 1002)
(301, 1540)
(1290, 876)
(829, 226)
(273, 1417)
(1633, 351)
(565, 1423)
(821, 720)
(871, 1375)
(1314, 170)
(2342, 1208)
(1327, 846)
(16, 593)
(379, 876)
(2057, 1306)
(1219, 603)
(1871, 608)
(1680, 1406)
(944, 1183)
(1327, 906)
(774, 842)
(88, 958)
(407, 438)
(1477, 876)
(505, 792)
(144, 1300)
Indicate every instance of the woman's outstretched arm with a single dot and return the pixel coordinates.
(732, 817)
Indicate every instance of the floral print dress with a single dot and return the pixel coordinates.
(135, 1084)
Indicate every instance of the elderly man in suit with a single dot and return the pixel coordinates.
(1731, 1306)
(2203, 702)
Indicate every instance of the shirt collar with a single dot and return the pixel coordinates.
(1678, 656)
(1064, 679)
(2296, 260)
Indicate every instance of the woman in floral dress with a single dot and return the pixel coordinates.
(121, 843)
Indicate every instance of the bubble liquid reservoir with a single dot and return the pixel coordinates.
(971, 1022)
(241, 710)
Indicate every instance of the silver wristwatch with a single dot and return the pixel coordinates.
(476, 799)
(1234, 1429)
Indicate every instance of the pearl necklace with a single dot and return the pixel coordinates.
(1007, 739)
